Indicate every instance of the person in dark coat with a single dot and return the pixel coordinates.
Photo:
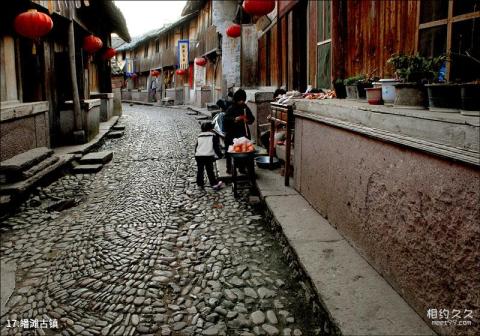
(236, 121)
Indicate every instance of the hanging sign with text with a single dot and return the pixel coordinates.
(183, 54)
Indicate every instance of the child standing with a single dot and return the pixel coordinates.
(207, 151)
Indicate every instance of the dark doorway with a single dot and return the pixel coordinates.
(299, 39)
(32, 71)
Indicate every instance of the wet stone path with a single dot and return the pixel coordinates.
(143, 251)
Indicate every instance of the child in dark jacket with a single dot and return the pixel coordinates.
(207, 151)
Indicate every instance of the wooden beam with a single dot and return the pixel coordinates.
(417, 31)
(433, 24)
(449, 36)
(290, 52)
(77, 112)
(468, 16)
(338, 38)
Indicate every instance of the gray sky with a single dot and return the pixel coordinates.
(142, 16)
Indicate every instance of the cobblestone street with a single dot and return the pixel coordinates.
(143, 251)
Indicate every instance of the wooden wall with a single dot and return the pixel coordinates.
(375, 30)
(273, 43)
(312, 42)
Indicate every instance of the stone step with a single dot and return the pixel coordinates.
(22, 186)
(97, 158)
(40, 166)
(24, 161)
(118, 127)
(115, 134)
(87, 169)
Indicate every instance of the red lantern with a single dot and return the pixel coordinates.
(92, 44)
(33, 24)
(180, 72)
(234, 30)
(155, 73)
(109, 53)
(258, 7)
(201, 61)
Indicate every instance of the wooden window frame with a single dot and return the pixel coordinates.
(324, 39)
(449, 21)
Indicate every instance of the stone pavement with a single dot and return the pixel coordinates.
(141, 250)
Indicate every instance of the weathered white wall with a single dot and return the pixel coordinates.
(223, 14)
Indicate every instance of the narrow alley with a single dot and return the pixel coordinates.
(144, 251)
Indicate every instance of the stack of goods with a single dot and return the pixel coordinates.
(241, 145)
(326, 94)
(286, 99)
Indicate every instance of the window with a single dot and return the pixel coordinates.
(167, 41)
(451, 27)
(157, 46)
(145, 51)
(323, 45)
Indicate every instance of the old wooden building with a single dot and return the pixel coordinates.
(316, 42)
(203, 26)
(41, 105)
(377, 173)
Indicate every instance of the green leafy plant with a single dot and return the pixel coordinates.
(415, 68)
(355, 79)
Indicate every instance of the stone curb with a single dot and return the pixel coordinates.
(339, 281)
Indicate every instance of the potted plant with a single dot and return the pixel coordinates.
(414, 71)
(388, 89)
(355, 86)
(469, 95)
(351, 87)
(362, 85)
(443, 97)
(339, 88)
(374, 95)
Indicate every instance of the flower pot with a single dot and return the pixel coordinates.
(410, 95)
(470, 99)
(388, 90)
(352, 91)
(443, 97)
(340, 90)
(362, 94)
(374, 95)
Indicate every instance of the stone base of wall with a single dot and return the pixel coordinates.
(141, 96)
(202, 97)
(126, 95)
(117, 102)
(176, 94)
(106, 104)
(91, 121)
(259, 104)
(413, 215)
(23, 126)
